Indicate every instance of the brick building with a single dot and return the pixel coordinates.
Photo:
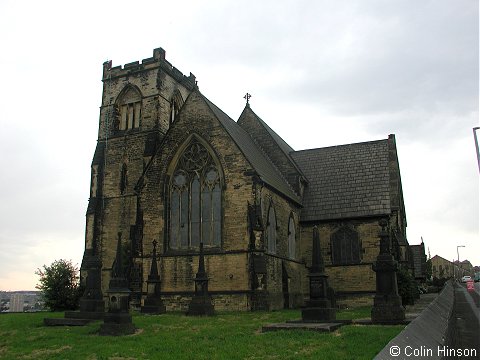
(171, 166)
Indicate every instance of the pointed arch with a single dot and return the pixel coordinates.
(123, 178)
(291, 237)
(129, 108)
(271, 230)
(195, 191)
(176, 102)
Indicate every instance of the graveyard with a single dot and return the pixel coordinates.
(227, 335)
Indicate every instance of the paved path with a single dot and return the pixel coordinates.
(412, 311)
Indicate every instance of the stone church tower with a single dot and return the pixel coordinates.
(139, 102)
(172, 167)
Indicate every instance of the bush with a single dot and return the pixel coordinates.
(59, 284)
(407, 286)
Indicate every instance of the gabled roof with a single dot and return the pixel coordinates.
(254, 155)
(281, 144)
(287, 149)
(346, 181)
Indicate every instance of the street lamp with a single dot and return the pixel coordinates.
(458, 256)
(476, 145)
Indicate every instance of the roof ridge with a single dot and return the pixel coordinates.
(342, 145)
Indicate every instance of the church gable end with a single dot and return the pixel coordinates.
(275, 148)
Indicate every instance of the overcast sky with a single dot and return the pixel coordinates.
(321, 73)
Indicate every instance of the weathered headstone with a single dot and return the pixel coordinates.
(319, 307)
(153, 303)
(118, 321)
(387, 304)
(201, 304)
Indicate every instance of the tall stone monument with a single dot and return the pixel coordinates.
(319, 307)
(153, 303)
(118, 321)
(201, 304)
(387, 304)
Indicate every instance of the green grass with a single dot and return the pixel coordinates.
(175, 336)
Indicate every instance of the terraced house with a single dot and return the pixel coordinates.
(171, 166)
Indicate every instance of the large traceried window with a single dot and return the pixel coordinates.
(291, 238)
(195, 200)
(345, 247)
(271, 231)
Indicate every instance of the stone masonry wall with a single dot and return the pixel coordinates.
(349, 281)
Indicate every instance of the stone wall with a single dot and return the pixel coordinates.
(354, 283)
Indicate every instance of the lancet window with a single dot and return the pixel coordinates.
(195, 200)
(291, 238)
(272, 231)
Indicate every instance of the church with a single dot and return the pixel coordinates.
(171, 167)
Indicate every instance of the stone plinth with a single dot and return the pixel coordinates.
(201, 304)
(118, 321)
(153, 303)
(318, 308)
(387, 304)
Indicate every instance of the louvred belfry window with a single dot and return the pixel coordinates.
(195, 200)
(129, 107)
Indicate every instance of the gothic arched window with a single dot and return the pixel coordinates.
(345, 247)
(271, 231)
(195, 200)
(129, 105)
(175, 104)
(291, 238)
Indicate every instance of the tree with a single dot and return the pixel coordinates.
(428, 269)
(60, 285)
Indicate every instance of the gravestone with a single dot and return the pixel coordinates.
(387, 304)
(118, 321)
(319, 307)
(201, 303)
(153, 303)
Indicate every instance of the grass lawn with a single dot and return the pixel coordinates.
(175, 336)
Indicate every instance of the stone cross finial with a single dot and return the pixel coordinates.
(247, 97)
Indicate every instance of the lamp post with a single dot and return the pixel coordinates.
(476, 145)
(458, 257)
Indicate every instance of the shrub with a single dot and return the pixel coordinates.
(407, 287)
(59, 284)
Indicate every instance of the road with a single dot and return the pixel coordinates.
(467, 318)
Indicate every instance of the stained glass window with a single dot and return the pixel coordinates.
(195, 200)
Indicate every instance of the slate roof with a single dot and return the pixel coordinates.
(259, 161)
(345, 181)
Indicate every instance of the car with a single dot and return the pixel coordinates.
(466, 278)
(476, 278)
